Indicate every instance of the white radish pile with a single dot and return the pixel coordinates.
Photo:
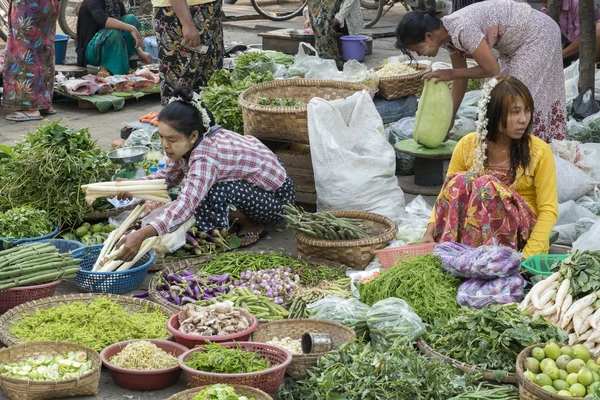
(106, 261)
(552, 301)
(153, 190)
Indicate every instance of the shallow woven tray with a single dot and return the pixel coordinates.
(19, 389)
(294, 329)
(15, 314)
(161, 263)
(394, 87)
(353, 253)
(487, 374)
(247, 391)
(157, 298)
(288, 124)
(529, 390)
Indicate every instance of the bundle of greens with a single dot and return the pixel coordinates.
(582, 269)
(47, 169)
(96, 324)
(492, 337)
(236, 263)
(219, 392)
(227, 360)
(280, 102)
(357, 371)
(421, 282)
(24, 222)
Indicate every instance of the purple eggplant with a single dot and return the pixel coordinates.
(140, 295)
(175, 278)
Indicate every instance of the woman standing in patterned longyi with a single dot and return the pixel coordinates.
(226, 177)
(528, 43)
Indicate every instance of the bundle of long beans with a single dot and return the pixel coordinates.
(324, 225)
(33, 264)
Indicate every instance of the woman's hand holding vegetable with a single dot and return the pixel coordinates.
(130, 244)
(440, 75)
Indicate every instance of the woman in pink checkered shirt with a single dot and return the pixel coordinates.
(226, 177)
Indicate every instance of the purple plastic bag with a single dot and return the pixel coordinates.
(478, 293)
(483, 262)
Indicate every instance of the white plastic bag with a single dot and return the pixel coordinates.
(401, 130)
(313, 66)
(571, 182)
(591, 159)
(569, 214)
(353, 163)
(591, 202)
(589, 240)
(390, 319)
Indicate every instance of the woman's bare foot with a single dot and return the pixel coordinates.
(249, 230)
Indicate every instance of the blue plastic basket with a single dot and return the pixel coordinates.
(108, 282)
(63, 245)
(7, 242)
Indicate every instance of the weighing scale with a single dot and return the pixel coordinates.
(128, 157)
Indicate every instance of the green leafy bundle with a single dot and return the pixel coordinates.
(47, 169)
(491, 337)
(582, 268)
(227, 360)
(280, 102)
(24, 222)
(219, 392)
(357, 371)
(421, 282)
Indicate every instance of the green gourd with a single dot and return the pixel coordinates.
(434, 114)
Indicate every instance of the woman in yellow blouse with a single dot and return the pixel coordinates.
(501, 182)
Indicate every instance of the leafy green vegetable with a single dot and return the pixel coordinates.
(277, 101)
(474, 84)
(491, 337)
(24, 222)
(47, 169)
(219, 392)
(97, 324)
(421, 282)
(582, 268)
(227, 360)
(236, 263)
(357, 371)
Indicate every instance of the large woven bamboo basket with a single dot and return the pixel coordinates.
(161, 263)
(353, 253)
(487, 374)
(529, 390)
(394, 87)
(157, 298)
(250, 392)
(288, 124)
(20, 389)
(14, 315)
(295, 329)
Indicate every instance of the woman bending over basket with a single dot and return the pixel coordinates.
(227, 177)
(501, 182)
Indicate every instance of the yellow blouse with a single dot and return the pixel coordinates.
(537, 185)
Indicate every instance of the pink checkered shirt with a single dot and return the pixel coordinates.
(222, 157)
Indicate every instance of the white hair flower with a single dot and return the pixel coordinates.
(196, 102)
(481, 124)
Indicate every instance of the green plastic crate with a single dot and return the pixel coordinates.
(540, 264)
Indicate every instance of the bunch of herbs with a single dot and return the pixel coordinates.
(582, 268)
(24, 222)
(227, 360)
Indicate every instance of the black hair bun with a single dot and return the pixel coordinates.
(185, 93)
(431, 12)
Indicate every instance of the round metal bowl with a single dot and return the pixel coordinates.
(128, 154)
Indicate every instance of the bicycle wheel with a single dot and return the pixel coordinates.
(67, 17)
(4, 5)
(279, 10)
(371, 15)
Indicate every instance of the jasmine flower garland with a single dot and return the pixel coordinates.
(196, 102)
(481, 124)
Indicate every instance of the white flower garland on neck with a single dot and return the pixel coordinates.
(481, 124)
(196, 102)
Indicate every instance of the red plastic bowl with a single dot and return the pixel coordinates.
(143, 380)
(191, 340)
(13, 297)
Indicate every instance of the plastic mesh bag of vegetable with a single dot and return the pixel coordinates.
(478, 293)
(390, 319)
(398, 131)
(349, 312)
(483, 262)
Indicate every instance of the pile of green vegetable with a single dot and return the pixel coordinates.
(313, 275)
(305, 296)
(235, 263)
(24, 222)
(421, 282)
(582, 268)
(262, 307)
(219, 392)
(227, 360)
(324, 225)
(47, 169)
(89, 234)
(33, 264)
(96, 324)
(491, 337)
(61, 367)
(357, 371)
(280, 102)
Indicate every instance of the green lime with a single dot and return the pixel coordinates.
(596, 376)
(559, 384)
(530, 376)
(564, 393)
(562, 361)
(578, 390)
(591, 364)
(552, 372)
(547, 362)
(549, 389)
(538, 353)
(572, 379)
(552, 351)
(581, 352)
(567, 350)
(562, 374)
(543, 380)
(585, 377)
(533, 365)
(574, 366)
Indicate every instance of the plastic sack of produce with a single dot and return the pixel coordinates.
(398, 131)
(483, 262)
(478, 293)
(390, 319)
(349, 312)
